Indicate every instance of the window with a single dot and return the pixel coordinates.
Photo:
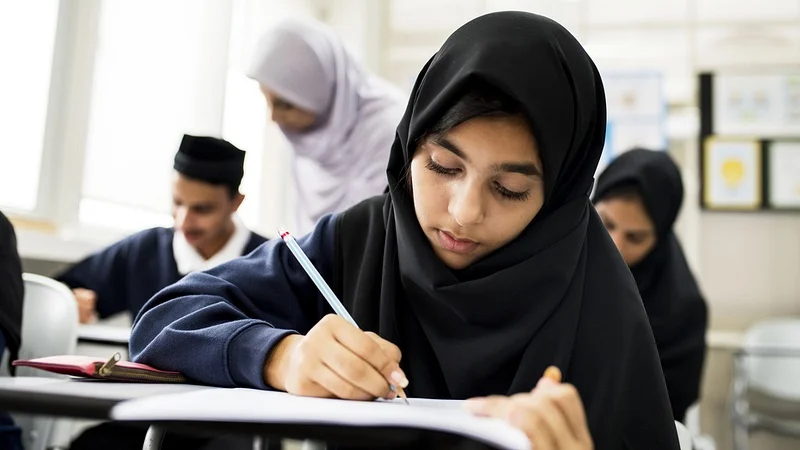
(27, 38)
(159, 72)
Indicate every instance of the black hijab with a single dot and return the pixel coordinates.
(11, 289)
(674, 304)
(557, 294)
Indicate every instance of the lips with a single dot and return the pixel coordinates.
(454, 244)
(192, 236)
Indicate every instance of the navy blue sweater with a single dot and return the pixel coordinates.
(218, 326)
(126, 274)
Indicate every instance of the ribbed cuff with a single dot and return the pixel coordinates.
(247, 354)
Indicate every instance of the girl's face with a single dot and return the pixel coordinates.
(476, 187)
(287, 115)
(630, 227)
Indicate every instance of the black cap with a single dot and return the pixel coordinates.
(209, 159)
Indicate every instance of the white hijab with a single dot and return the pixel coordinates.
(342, 159)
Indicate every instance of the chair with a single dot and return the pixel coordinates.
(49, 327)
(684, 437)
(765, 392)
(700, 440)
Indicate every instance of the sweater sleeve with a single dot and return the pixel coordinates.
(217, 327)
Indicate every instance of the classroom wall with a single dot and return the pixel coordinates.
(750, 266)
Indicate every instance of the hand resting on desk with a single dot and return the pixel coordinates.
(551, 415)
(335, 359)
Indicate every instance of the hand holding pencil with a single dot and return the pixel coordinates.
(335, 358)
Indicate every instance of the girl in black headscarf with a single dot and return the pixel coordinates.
(638, 197)
(484, 263)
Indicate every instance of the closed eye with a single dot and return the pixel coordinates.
(502, 190)
(511, 195)
(441, 169)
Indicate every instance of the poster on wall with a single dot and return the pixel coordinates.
(637, 108)
(784, 175)
(766, 105)
(732, 174)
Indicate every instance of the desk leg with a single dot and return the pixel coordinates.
(266, 443)
(154, 438)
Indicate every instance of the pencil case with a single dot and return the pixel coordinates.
(112, 369)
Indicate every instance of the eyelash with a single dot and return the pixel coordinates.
(633, 240)
(511, 195)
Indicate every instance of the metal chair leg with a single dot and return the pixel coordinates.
(740, 414)
(154, 438)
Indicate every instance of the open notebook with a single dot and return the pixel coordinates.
(255, 406)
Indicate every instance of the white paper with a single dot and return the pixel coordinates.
(784, 175)
(105, 333)
(255, 406)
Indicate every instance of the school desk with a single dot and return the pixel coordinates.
(92, 399)
(72, 397)
(104, 335)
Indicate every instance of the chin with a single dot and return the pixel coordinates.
(452, 260)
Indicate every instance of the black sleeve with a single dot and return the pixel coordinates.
(682, 358)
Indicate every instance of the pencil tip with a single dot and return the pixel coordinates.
(402, 395)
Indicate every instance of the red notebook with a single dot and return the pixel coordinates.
(113, 369)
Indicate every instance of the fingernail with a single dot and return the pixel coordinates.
(399, 378)
(475, 405)
(553, 373)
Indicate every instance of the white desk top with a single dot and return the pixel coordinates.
(105, 334)
(88, 388)
(72, 397)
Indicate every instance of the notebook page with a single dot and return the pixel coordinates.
(256, 406)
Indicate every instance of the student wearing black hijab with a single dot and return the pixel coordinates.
(638, 197)
(11, 299)
(11, 291)
(484, 263)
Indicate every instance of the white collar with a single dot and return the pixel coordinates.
(189, 260)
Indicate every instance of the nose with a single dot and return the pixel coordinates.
(618, 239)
(277, 116)
(466, 204)
(181, 218)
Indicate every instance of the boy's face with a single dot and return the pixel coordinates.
(202, 211)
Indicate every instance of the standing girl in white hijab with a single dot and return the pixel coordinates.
(339, 119)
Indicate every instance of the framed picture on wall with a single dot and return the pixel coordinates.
(757, 104)
(783, 168)
(732, 174)
(637, 112)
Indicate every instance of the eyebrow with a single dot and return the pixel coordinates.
(528, 169)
